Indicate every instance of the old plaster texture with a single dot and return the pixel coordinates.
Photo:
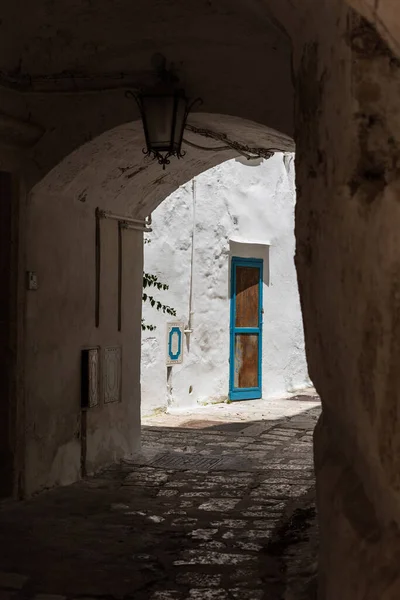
(234, 210)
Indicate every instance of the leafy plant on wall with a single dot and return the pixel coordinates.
(152, 281)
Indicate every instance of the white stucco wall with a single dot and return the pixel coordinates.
(60, 322)
(239, 211)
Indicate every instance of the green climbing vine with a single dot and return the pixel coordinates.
(152, 281)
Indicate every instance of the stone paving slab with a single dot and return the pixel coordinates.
(236, 525)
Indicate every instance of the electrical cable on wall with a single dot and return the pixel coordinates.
(248, 151)
(215, 148)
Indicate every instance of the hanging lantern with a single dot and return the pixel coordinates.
(164, 111)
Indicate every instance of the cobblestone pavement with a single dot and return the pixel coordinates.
(209, 510)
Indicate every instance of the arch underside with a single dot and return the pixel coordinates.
(112, 169)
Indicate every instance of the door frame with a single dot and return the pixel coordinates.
(245, 393)
(12, 317)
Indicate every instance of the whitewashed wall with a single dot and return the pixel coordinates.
(239, 211)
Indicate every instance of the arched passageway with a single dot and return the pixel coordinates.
(346, 81)
(111, 174)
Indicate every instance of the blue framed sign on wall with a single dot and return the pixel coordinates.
(174, 349)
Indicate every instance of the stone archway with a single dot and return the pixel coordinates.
(347, 83)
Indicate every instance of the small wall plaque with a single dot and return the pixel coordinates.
(90, 377)
(112, 366)
(31, 281)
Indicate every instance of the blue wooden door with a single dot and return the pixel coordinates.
(246, 329)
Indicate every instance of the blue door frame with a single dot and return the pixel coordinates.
(256, 392)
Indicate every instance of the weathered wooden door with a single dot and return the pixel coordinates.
(7, 349)
(246, 329)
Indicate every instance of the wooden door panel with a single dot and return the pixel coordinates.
(247, 302)
(246, 361)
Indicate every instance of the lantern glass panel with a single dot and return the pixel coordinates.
(158, 120)
(180, 118)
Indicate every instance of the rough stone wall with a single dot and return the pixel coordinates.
(348, 124)
(239, 211)
(384, 15)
